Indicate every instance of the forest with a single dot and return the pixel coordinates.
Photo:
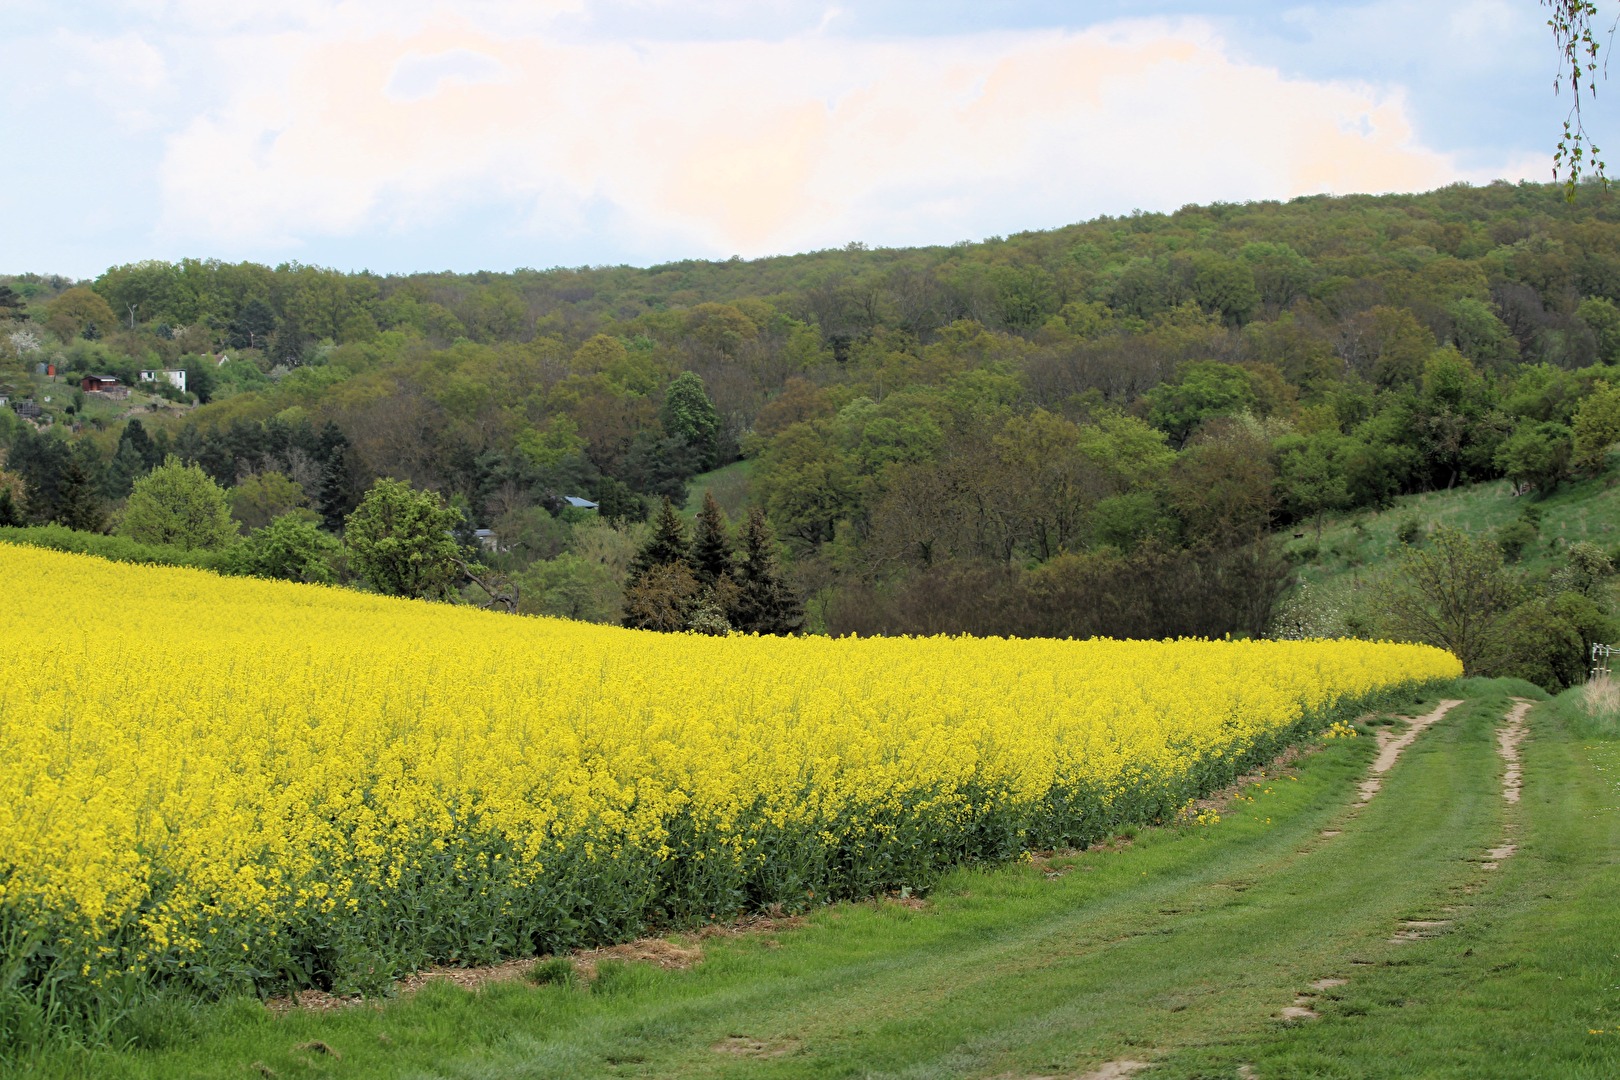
(1101, 429)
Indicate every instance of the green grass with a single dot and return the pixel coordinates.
(1526, 985)
(1180, 949)
(732, 486)
(1587, 510)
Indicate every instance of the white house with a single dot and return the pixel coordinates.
(176, 379)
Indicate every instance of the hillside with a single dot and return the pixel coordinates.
(1342, 570)
(1089, 430)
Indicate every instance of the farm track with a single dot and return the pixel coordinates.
(1210, 947)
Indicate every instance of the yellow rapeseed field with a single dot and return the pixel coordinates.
(230, 783)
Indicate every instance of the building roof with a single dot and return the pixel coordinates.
(576, 501)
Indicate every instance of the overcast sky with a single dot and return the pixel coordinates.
(403, 135)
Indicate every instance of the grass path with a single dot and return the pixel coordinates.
(1182, 951)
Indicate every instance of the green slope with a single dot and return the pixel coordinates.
(1354, 547)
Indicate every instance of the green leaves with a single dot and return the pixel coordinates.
(401, 540)
(179, 505)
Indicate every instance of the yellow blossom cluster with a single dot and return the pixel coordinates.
(233, 783)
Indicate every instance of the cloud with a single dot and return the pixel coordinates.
(755, 147)
(124, 75)
(417, 76)
(208, 17)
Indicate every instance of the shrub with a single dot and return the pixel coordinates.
(1514, 537)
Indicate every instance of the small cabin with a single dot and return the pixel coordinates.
(487, 539)
(578, 503)
(98, 384)
(176, 379)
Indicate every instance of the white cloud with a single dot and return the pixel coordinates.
(329, 16)
(754, 147)
(124, 75)
(421, 75)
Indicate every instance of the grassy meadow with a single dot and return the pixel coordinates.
(1354, 545)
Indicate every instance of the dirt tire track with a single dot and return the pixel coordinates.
(1507, 744)
(1391, 746)
(1508, 738)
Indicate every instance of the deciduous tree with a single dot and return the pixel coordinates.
(402, 541)
(1454, 592)
(178, 504)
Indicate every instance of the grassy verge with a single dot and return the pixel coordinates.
(1525, 985)
(1181, 949)
(731, 485)
(1581, 510)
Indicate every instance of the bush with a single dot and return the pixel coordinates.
(1409, 531)
(1514, 537)
(290, 548)
(1544, 646)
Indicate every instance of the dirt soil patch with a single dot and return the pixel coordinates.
(1117, 1070)
(747, 1046)
(1507, 744)
(657, 951)
(679, 954)
(1391, 746)
(1508, 738)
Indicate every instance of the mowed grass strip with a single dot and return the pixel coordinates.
(1182, 949)
(1527, 984)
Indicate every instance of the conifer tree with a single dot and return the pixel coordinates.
(667, 546)
(12, 502)
(711, 546)
(133, 460)
(79, 504)
(332, 496)
(662, 589)
(765, 603)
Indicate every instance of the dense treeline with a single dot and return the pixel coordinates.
(1087, 430)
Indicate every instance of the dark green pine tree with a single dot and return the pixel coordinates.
(711, 544)
(333, 498)
(132, 461)
(11, 514)
(765, 603)
(79, 505)
(667, 545)
(135, 436)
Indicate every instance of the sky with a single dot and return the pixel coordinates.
(401, 135)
